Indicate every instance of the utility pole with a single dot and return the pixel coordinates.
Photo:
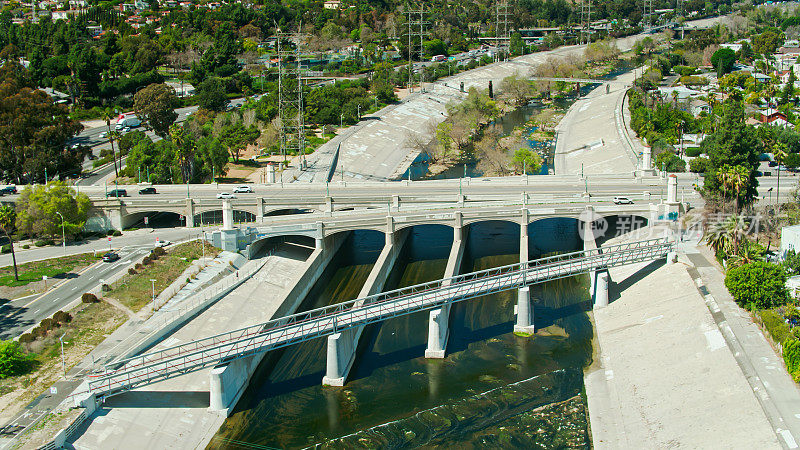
(416, 29)
(647, 15)
(586, 20)
(290, 97)
(501, 26)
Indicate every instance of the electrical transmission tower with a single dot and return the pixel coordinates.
(416, 30)
(680, 14)
(290, 98)
(586, 20)
(647, 15)
(501, 25)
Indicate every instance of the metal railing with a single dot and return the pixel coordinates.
(166, 363)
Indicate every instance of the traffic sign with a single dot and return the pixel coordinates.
(146, 220)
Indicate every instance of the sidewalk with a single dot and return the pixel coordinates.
(777, 393)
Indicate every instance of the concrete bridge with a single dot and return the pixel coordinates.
(341, 323)
(271, 200)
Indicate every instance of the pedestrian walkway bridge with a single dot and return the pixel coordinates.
(174, 361)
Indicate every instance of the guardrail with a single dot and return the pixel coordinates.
(166, 363)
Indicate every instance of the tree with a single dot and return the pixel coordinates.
(670, 162)
(723, 60)
(7, 219)
(107, 115)
(779, 152)
(236, 137)
(698, 165)
(33, 131)
(37, 207)
(788, 90)
(211, 95)
(156, 105)
(733, 179)
(759, 284)
(185, 151)
(12, 360)
(516, 45)
(526, 161)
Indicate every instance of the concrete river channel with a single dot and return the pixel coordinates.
(493, 389)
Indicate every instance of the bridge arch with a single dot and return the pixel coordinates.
(155, 219)
(621, 224)
(553, 234)
(214, 217)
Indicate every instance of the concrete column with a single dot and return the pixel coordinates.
(672, 189)
(328, 204)
(320, 239)
(396, 202)
(672, 257)
(189, 212)
(227, 215)
(458, 226)
(389, 230)
(646, 154)
(524, 322)
(260, 205)
(439, 319)
(601, 290)
(341, 347)
(270, 173)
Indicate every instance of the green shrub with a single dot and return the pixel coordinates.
(693, 151)
(759, 284)
(775, 325)
(5, 249)
(116, 233)
(88, 297)
(27, 338)
(105, 288)
(48, 324)
(62, 317)
(110, 232)
(39, 331)
(139, 266)
(26, 246)
(12, 360)
(43, 242)
(158, 251)
(791, 355)
(699, 165)
(131, 271)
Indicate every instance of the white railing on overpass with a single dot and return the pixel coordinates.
(170, 362)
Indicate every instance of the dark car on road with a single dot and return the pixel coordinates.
(110, 257)
(147, 190)
(8, 190)
(117, 193)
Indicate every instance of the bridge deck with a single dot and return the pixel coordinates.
(151, 367)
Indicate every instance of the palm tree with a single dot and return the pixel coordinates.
(779, 152)
(718, 238)
(733, 178)
(185, 150)
(107, 115)
(748, 253)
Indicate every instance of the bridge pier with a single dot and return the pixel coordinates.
(341, 347)
(189, 214)
(524, 323)
(439, 319)
(601, 290)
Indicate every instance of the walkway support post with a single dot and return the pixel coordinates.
(189, 213)
(601, 290)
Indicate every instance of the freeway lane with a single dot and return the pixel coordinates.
(19, 315)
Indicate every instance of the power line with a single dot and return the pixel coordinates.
(501, 25)
(647, 15)
(416, 28)
(290, 97)
(586, 20)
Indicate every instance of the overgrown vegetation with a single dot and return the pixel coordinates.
(52, 268)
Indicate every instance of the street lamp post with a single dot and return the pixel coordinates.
(341, 119)
(153, 282)
(63, 234)
(63, 362)
(359, 112)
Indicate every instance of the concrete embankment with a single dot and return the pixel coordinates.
(663, 375)
(176, 411)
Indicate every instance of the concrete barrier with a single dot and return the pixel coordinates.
(228, 381)
(341, 347)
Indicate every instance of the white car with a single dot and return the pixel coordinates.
(622, 201)
(104, 135)
(243, 189)
(225, 195)
(163, 243)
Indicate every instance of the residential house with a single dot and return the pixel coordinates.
(733, 46)
(697, 107)
(332, 4)
(771, 114)
(790, 240)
